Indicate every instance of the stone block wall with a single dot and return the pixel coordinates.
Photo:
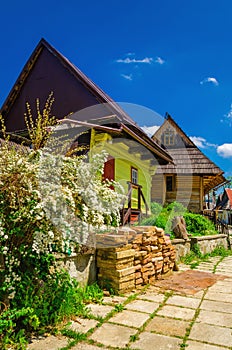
(133, 258)
(82, 267)
(208, 243)
(182, 247)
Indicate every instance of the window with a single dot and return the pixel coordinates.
(168, 138)
(134, 175)
(169, 183)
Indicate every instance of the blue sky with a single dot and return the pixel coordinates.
(170, 56)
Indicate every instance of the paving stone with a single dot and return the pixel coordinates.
(130, 318)
(211, 334)
(218, 296)
(113, 335)
(114, 300)
(193, 345)
(229, 280)
(100, 310)
(219, 306)
(86, 346)
(151, 341)
(224, 272)
(226, 282)
(225, 269)
(51, 343)
(221, 288)
(178, 300)
(177, 312)
(167, 326)
(143, 306)
(216, 318)
(204, 269)
(158, 298)
(199, 294)
(208, 264)
(82, 325)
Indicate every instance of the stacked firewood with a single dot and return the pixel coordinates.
(116, 268)
(154, 254)
(133, 258)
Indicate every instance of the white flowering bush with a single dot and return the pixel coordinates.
(75, 198)
(42, 210)
(47, 203)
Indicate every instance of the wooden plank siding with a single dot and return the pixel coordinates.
(158, 189)
(187, 191)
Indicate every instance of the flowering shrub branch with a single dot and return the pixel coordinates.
(48, 202)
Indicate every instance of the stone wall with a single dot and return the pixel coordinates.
(81, 266)
(208, 243)
(133, 258)
(182, 247)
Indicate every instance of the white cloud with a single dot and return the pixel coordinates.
(150, 130)
(201, 142)
(198, 141)
(128, 60)
(225, 150)
(228, 116)
(210, 80)
(159, 60)
(127, 76)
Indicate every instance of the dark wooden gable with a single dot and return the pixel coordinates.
(47, 71)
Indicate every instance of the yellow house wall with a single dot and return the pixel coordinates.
(123, 163)
(123, 175)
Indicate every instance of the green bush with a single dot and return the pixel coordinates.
(156, 208)
(197, 224)
(163, 216)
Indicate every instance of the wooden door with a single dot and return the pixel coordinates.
(109, 169)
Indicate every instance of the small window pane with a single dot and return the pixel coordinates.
(168, 138)
(134, 176)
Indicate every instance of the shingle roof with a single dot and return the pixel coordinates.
(188, 159)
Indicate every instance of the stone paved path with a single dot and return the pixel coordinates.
(155, 320)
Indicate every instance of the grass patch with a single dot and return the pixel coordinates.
(195, 257)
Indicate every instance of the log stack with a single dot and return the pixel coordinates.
(134, 258)
(116, 268)
(154, 255)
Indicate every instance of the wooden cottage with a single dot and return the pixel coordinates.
(94, 119)
(224, 207)
(191, 176)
